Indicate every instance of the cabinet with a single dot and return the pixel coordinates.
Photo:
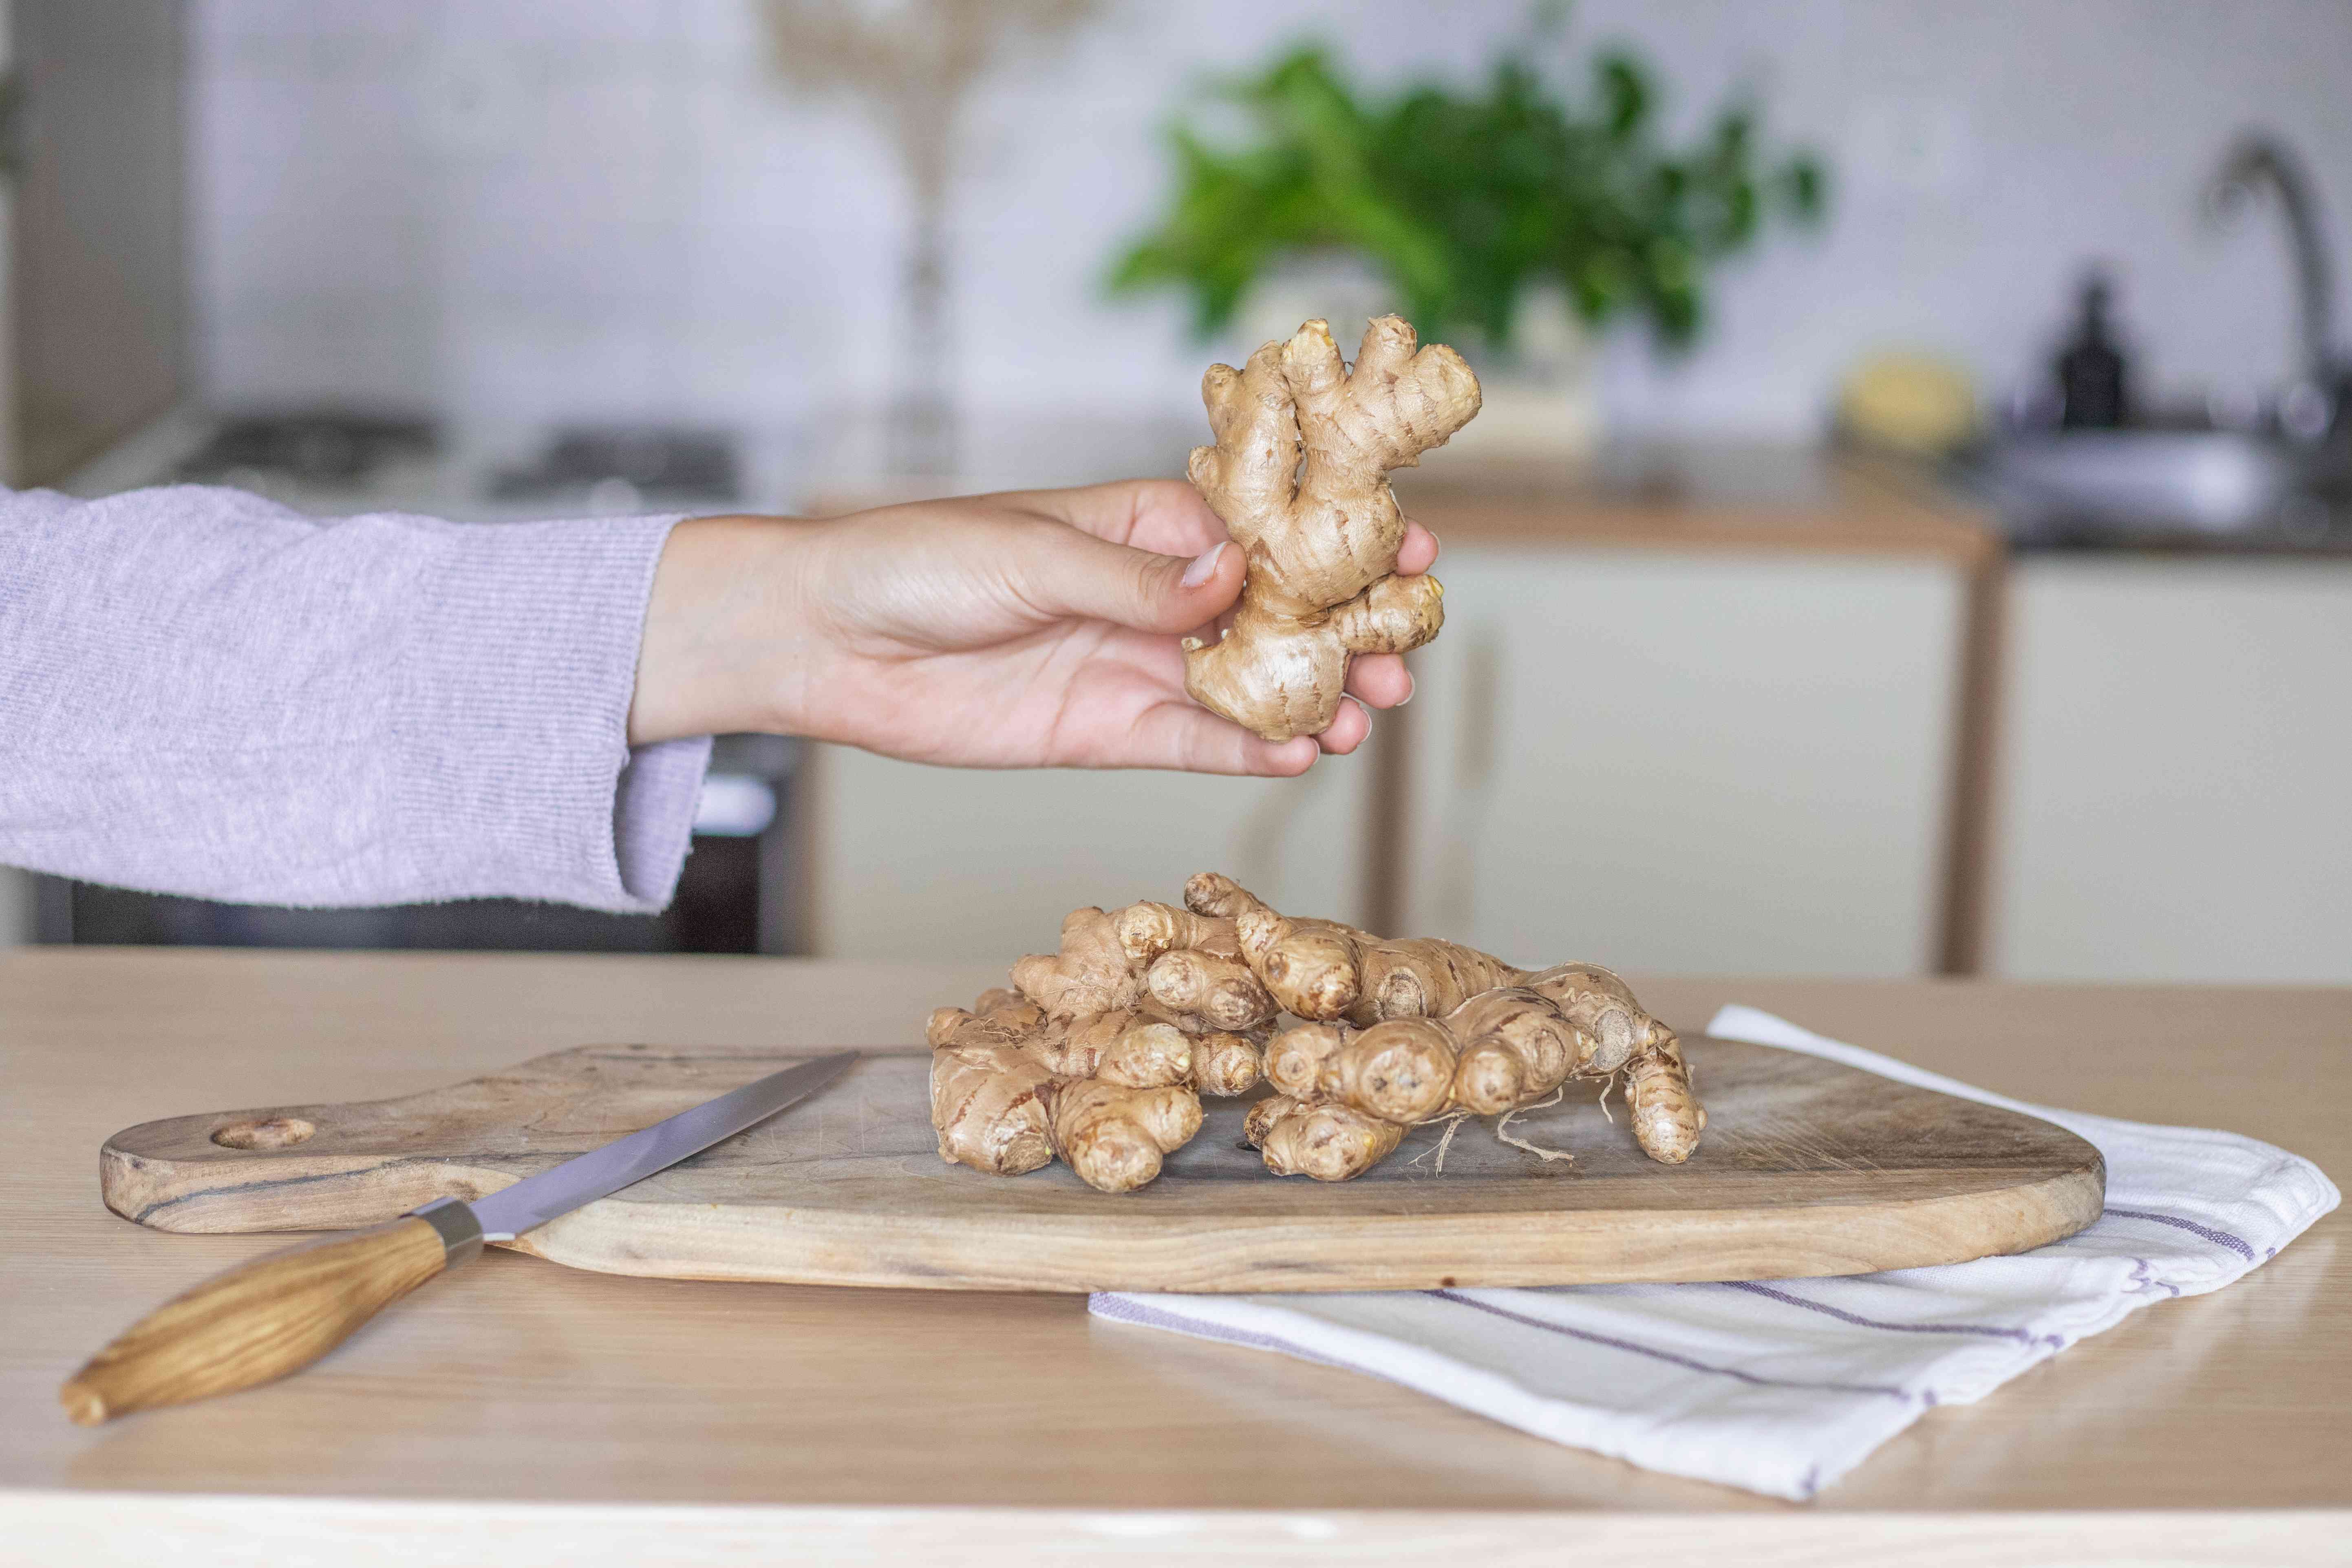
(90, 296)
(2177, 801)
(1679, 762)
(960, 866)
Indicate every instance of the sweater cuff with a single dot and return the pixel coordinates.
(653, 817)
(517, 711)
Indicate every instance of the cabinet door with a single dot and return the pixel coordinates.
(2176, 804)
(952, 865)
(1685, 762)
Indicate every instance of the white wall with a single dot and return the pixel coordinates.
(528, 208)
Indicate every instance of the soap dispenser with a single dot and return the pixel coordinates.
(2089, 368)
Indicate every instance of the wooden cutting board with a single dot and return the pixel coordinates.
(1807, 1168)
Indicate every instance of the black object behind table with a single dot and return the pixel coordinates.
(739, 893)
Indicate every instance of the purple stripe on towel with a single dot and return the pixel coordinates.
(1612, 1342)
(1858, 1321)
(2217, 1237)
(2144, 1278)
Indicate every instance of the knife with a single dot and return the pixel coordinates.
(278, 1314)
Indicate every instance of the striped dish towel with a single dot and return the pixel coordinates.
(1782, 1387)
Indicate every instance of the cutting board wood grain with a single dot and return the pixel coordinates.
(1807, 1167)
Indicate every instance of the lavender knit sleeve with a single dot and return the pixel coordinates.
(202, 692)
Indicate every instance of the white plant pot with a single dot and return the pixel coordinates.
(1337, 288)
(1543, 404)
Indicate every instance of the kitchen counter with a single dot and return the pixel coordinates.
(522, 1413)
(1716, 495)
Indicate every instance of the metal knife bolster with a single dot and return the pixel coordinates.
(453, 1220)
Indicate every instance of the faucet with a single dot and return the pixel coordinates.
(2319, 405)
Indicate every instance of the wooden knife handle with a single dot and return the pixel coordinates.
(268, 1317)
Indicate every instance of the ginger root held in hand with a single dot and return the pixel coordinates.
(1299, 476)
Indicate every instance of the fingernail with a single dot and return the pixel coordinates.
(1203, 567)
(1410, 686)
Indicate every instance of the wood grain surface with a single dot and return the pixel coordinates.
(256, 1322)
(1808, 1168)
(528, 1415)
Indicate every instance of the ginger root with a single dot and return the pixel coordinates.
(1088, 1059)
(1011, 1089)
(1300, 475)
(1406, 1031)
(1099, 1053)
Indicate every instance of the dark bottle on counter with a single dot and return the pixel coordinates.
(2091, 368)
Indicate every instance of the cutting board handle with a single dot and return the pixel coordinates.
(259, 1320)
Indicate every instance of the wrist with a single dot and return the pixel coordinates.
(723, 642)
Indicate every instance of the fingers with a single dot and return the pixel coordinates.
(1379, 679)
(1179, 735)
(1419, 553)
(1064, 572)
(1351, 727)
(1167, 516)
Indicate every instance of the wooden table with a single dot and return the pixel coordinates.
(525, 1413)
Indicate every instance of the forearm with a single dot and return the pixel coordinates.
(727, 639)
(203, 693)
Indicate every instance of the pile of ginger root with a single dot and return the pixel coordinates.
(1099, 1053)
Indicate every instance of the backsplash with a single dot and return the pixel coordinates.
(528, 211)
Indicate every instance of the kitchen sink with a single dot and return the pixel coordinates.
(2124, 487)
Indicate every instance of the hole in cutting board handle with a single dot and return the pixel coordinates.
(276, 1132)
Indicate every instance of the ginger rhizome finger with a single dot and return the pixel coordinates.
(1226, 1063)
(1218, 986)
(1298, 474)
(1114, 1136)
(1147, 929)
(1401, 1070)
(1323, 969)
(1325, 1140)
(1514, 1049)
(1090, 972)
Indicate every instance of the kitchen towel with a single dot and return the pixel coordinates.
(1782, 1386)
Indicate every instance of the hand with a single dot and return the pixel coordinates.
(1035, 629)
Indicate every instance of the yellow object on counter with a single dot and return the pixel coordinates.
(1912, 402)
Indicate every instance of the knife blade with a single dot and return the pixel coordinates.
(278, 1314)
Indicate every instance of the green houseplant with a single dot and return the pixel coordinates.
(1471, 206)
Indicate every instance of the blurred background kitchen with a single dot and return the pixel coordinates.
(1908, 533)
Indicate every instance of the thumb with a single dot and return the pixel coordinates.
(1100, 580)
